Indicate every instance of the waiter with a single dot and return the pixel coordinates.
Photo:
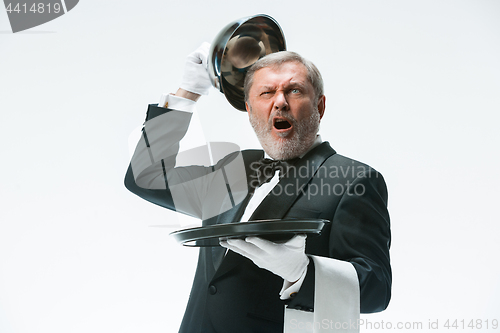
(253, 284)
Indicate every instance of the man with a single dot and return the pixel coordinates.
(252, 286)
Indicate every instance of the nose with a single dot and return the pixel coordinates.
(280, 102)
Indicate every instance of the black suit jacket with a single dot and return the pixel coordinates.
(238, 296)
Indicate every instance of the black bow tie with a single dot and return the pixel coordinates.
(266, 168)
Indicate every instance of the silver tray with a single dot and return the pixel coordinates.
(274, 230)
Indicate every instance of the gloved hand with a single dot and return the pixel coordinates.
(287, 260)
(195, 78)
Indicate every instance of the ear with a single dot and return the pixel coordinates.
(321, 106)
(247, 107)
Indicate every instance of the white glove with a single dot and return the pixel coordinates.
(287, 260)
(196, 79)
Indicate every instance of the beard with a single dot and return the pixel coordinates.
(287, 146)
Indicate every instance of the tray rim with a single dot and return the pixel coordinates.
(249, 228)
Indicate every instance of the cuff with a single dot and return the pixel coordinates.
(176, 103)
(290, 289)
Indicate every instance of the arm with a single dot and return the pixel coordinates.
(144, 176)
(369, 232)
(199, 189)
(166, 124)
(164, 127)
(179, 176)
(359, 234)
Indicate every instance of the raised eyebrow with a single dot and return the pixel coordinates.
(294, 85)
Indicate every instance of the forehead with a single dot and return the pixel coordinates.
(289, 72)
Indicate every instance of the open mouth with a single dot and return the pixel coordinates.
(281, 124)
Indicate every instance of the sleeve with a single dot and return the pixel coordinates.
(360, 235)
(185, 181)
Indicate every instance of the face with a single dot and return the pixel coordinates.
(283, 110)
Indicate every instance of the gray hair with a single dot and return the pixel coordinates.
(276, 60)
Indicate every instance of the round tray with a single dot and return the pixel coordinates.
(273, 230)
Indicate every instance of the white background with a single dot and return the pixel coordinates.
(413, 89)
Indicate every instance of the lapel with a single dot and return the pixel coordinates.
(294, 182)
(234, 215)
(276, 204)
